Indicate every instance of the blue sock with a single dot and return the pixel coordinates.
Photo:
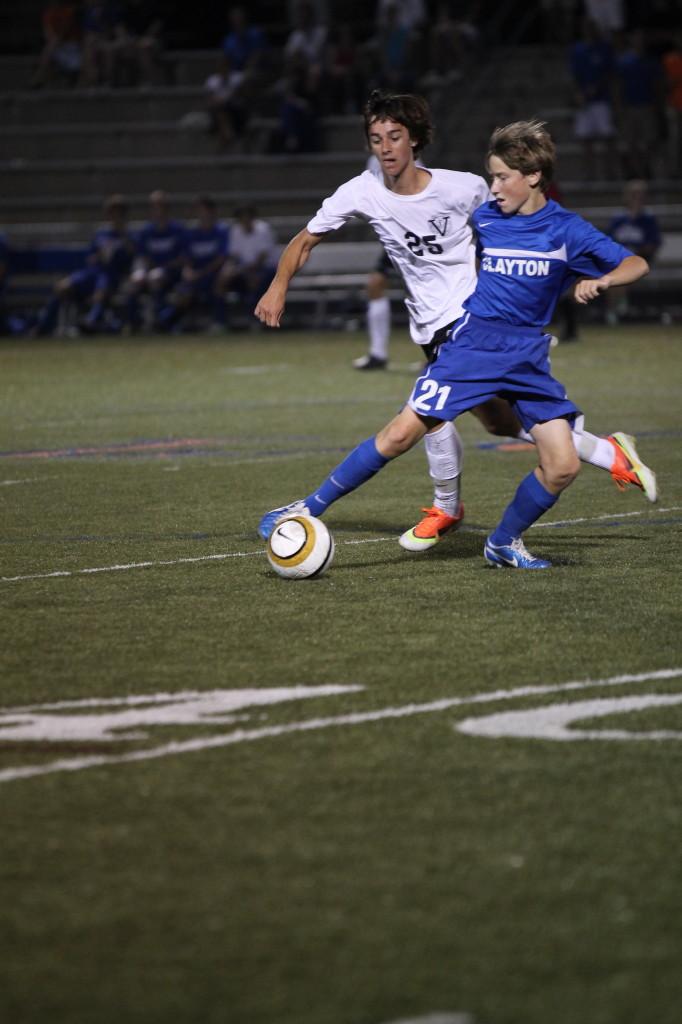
(530, 502)
(358, 467)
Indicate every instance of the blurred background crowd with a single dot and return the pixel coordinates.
(206, 100)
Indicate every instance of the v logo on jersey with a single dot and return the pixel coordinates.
(440, 224)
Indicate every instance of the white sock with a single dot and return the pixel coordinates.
(598, 451)
(379, 326)
(444, 455)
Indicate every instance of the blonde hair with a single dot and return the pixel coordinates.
(525, 146)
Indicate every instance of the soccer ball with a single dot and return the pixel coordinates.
(300, 547)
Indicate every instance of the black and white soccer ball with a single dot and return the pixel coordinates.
(300, 548)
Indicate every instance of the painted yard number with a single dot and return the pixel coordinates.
(429, 390)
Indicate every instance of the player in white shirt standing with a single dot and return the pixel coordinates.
(422, 217)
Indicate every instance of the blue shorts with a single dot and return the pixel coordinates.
(90, 280)
(484, 359)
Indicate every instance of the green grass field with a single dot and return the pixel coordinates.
(230, 799)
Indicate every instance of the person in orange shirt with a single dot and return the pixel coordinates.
(672, 68)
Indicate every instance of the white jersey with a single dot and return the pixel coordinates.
(250, 246)
(427, 236)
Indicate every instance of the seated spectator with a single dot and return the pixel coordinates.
(638, 230)
(305, 46)
(10, 323)
(298, 129)
(61, 52)
(244, 45)
(158, 265)
(344, 75)
(99, 20)
(108, 264)
(409, 14)
(226, 103)
(252, 259)
(206, 249)
(640, 104)
(138, 42)
(672, 68)
(592, 63)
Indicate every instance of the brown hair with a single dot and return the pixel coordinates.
(404, 108)
(525, 146)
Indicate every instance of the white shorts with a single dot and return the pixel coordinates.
(594, 121)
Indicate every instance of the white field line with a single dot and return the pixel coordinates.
(60, 573)
(26, 480)
(75, 764)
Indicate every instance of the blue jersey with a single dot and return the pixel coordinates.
(113, 250)
(162, 245)
(528, 261)
(635, 231)
(204, 245)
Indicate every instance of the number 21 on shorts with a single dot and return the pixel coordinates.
(428, 397)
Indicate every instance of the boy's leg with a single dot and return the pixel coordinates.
(401, 434)
(443, 447)
(536, 494)
(616, 453)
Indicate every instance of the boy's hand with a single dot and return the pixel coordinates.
(590, 288)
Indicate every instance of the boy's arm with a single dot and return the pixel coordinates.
(271, 305)
(628, 271)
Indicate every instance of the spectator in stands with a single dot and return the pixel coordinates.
(244, 45)
(409, 14)
(159, 261)
(638, 230)
(394, 42)
(205, 252)
(226, 103)
(298, 128)
(99, 20)
(108, 263)
(137, 45)
(592, 65)
(640, 101)
(61, 52)
(672, 68)
(252, 258)
(345, 78)
(305, 47)
(607, 15)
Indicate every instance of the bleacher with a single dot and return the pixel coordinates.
(63, 150)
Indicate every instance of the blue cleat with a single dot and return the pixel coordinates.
(270, 519)
(514, 556)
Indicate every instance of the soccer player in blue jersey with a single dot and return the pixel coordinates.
(206, 248)
(108, 262)
(530, 250)
(160, 256)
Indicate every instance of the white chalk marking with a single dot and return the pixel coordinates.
(26, 480)
(437, 1018)
(75, 764)
(249, 554)
(552, 722)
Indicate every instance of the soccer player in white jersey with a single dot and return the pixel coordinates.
(422, 217)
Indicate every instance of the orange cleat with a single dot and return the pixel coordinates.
(628, 469)
(431, 528)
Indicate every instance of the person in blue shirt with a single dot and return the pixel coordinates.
(639, 231)
(206, 248)
(530, 250)
(160, 256)
(108, 263)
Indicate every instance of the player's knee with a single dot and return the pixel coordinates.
(562, 470)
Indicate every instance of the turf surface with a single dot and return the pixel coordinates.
(356, 871)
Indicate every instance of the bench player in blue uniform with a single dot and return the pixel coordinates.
(160, 256)
(531, 249)
(206, 249)
(108, 262)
